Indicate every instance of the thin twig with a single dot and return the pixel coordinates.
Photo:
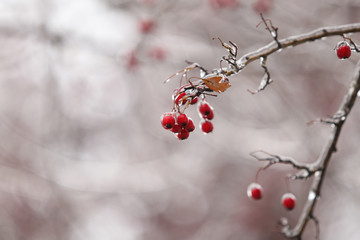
(274, 159)
(266, 80)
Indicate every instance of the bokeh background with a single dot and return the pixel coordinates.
(82, 151)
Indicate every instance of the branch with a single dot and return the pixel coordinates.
(305, 169)
(287, 42)
(323, 161)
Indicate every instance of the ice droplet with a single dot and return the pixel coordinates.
(312, 196)
(358, 93)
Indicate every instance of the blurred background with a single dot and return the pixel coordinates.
(83, 154)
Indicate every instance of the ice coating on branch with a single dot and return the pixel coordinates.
(312, 196)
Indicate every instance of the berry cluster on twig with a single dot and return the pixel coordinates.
(189, 94)
(211, 82)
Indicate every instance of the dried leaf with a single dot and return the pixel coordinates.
(217, 83)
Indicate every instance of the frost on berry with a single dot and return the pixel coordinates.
(182, 120)
(207, 126)
(176, 128)
(288, 200)
(180, 98)
(190, 126)
(168, 120)
(205, 109)
(183, 134)
(209, 116)
(194, 100)
(254, 191)
(343, 50)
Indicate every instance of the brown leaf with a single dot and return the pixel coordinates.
(217, 83)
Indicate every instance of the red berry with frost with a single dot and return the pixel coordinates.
(210, 116)
(205, 109)
(194, 100)
(288, 200)
(255, 191)
(168, 120)
(183, 134)
(343, 50)
(207, 126)
(176, 128)
(190, 126)
(179, 99)
(182, 120)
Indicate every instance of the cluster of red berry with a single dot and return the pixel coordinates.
(255, 191)
(180, 124)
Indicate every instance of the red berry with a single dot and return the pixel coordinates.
(288, 200)
(157, 53)
(146, 26)
(190, 126)
(262, 6)
(132, 61)
(205, 109)
(168, 120)
(254, 191)
(207, 126)
(182, 120)
(210, 116)
(176, 128)
(183, 134)
(180, 99)
(194, 100)
(343, 50)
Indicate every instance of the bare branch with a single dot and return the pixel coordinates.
(273, 159)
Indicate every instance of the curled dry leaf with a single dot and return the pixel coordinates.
(217, 83)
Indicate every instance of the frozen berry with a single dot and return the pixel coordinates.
(168, 120)
(179, 99)
(183, 134)
(205, 109)
(288, 200)
(207, 126)
(176, 128)
(255, 191)
(182, 120)
(194, 100)
(210, 116)
(343, 50)
(190, 126)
